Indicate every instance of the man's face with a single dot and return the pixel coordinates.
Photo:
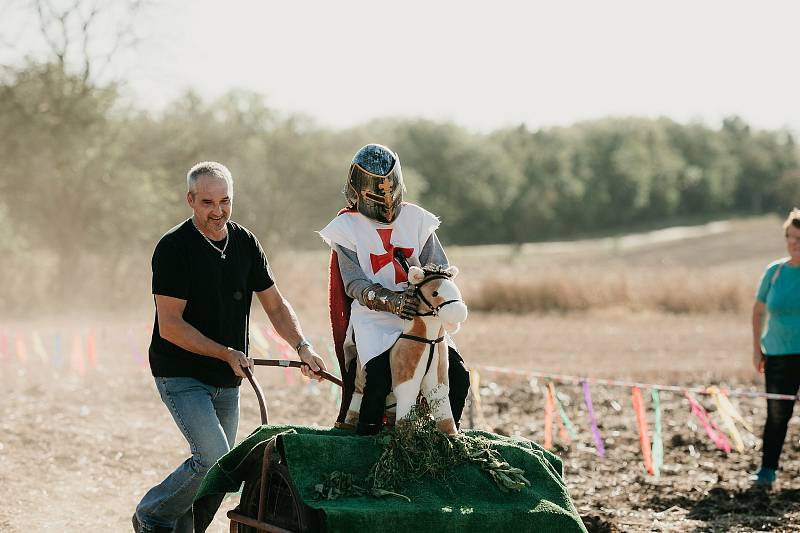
(212, 203)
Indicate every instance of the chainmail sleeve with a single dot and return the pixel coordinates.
(353, 277)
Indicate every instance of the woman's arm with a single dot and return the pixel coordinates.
(758, 321)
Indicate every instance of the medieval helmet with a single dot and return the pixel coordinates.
(375, 183)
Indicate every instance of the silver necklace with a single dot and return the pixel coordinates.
(209, 241)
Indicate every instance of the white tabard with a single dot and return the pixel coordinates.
(376, 244)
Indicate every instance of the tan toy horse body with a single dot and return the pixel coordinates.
(419, 359)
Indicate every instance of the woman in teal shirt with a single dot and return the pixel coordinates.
(776, 347)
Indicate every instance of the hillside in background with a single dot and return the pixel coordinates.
(701, 261)
(724, 256)
(734, 243)
(88, 185)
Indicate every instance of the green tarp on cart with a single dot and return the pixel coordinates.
(468, 500)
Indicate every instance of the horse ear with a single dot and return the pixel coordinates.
(415, 275)
(452, 271)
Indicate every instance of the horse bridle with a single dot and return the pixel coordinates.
(434, 309)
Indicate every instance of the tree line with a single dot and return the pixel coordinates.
(89, 182)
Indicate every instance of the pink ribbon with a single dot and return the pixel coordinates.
(716, 436)
(76, 357)
(288, 375)
(598, 439)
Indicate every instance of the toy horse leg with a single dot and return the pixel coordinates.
(436, 389)
(351, 419)
(408, 369)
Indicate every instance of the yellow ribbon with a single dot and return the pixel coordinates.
(728, 414)
(475, 388)
(728, 406)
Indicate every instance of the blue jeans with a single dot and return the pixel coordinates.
(208, 417)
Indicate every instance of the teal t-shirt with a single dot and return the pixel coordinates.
(781, 334)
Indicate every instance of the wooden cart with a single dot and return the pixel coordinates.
(270, 500)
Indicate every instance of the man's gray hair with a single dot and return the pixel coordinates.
(208, 168)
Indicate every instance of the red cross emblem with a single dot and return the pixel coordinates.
(380, 261)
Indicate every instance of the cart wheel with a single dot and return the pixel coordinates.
(283, 507)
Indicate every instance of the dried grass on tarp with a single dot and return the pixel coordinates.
(415, 449)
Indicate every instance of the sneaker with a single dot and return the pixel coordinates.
(765, 477)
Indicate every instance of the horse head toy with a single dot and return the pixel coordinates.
(419, 358)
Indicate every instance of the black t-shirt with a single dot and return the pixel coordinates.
(218, 293)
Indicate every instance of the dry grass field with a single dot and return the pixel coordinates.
(78, 451)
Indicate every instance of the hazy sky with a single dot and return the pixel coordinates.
(482, 64)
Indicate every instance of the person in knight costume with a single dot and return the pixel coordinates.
(370, 297)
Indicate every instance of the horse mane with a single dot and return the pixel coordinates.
(432, 268)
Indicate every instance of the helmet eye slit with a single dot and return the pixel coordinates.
(374, 197)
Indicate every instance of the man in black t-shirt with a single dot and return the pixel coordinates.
(205, 271)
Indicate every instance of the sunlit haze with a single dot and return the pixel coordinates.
(483, 65)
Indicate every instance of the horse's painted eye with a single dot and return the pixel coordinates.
(435, 294)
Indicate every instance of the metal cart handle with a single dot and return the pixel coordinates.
(286, 363)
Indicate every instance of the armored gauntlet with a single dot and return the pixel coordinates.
(379, 298)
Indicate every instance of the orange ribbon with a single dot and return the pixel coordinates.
(549, 405)
(641, 422)
(91, 350)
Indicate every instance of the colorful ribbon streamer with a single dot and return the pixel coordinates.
(562, 378)
(76, 359)
(562, 431)
(91, 349)
(272, 334)
(136, 353)
(475, 389)
(716, 436)
(259, 340)
(565, 426)
(598, 439)
(727, 419)
(288, 375)
(58, 357)
(641, 422)
(286, 351)
(22, 350)
(658, 444)
(38, 347)
(475, 394)
(548, 419)
(727, 406)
